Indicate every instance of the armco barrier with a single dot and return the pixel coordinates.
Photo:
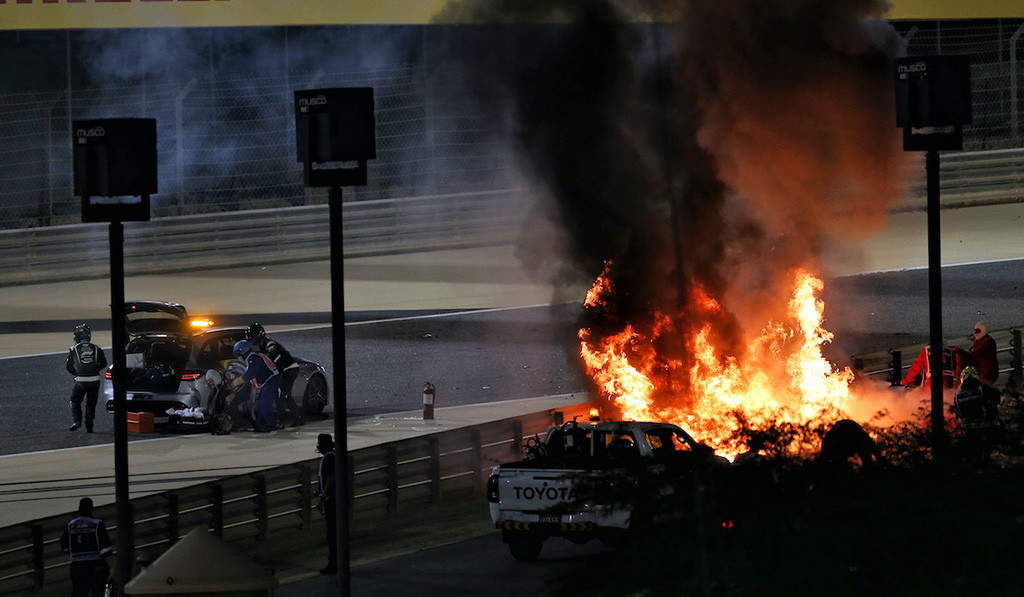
(254, 511)
(892, 365)
(294, 234)
(285, 235)
(973, 178)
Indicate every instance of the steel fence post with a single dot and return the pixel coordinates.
(306, 495)
(262, 522)
(435, 470)
(391, 468)
(1016, 360)
(173, 511)
(217, 509)
(38, 560)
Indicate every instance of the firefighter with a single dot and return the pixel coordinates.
(261, 372)
(86, 540)
(86, 362)
(984, 353)
(953, 362)
(327, 506)
(286, 365)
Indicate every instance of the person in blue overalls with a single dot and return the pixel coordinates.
(263, 375)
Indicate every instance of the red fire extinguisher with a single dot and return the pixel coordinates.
(428, 401)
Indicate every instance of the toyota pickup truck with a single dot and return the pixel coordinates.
(562, 487)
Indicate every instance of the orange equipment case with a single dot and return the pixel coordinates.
(140, 422)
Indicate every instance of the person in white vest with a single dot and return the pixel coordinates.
(86, 540)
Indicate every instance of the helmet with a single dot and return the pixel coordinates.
(83, 333)
(242, 349)
(255, 334)
(968, 373)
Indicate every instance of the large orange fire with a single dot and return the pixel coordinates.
(781, 378)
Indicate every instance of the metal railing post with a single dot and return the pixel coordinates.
(1016, 360)
(217, 509)
(391, 470)
(38, 561)
(351, 461)
(262, 518)
(474, 438)
(517, 437)
(435, 470)
(173, 510)
(306, 496)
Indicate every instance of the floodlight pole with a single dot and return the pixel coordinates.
(935, 300)
(342, 489)
(125, 538)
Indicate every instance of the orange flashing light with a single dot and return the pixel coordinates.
(201, 323)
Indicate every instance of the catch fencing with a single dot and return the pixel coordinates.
(273, 509)
(222, 100)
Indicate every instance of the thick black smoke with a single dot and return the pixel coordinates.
(718, 147)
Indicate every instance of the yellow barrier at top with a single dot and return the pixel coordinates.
(99, 14)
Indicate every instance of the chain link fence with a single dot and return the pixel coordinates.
(996, 48)
(226, 138)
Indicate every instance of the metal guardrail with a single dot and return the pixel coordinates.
(973, 178)
(251, 511)
(285, 235)
(892, 365)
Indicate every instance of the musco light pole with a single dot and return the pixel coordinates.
(114, 174)
(933, 102)
(335, 135)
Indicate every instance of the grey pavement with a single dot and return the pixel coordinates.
(484, 277)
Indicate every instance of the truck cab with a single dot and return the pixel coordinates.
(555, 491)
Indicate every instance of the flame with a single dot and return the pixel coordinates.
(782, 375)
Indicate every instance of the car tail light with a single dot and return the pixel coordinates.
(191, 375)
(109, 374)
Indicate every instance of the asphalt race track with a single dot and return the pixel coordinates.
(470, 357)
(480, 356)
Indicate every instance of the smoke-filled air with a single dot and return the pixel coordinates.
(700, 159)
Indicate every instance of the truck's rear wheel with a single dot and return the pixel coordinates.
(524, 546)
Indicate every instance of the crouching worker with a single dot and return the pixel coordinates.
(976, 404)
(262, 374)
(217, 403)
(846, 443)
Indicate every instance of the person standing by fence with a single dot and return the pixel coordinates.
(86, 540)
(327, 506)
(984, 353)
